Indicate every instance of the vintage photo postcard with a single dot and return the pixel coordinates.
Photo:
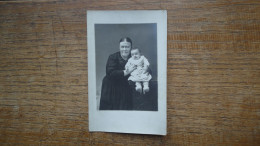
(127, 76)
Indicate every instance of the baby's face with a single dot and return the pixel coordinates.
(135, 54)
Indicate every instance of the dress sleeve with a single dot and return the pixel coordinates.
(112, 68)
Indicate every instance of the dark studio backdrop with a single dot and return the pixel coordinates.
(107, 36)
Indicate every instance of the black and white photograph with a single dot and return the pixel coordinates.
(126, 66)
(127, 71)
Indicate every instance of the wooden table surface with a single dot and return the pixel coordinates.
(213, 73)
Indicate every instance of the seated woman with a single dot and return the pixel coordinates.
(116, 93)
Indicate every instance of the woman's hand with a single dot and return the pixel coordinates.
(129, 70)
(132, 68)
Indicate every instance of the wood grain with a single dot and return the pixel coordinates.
(213, 73)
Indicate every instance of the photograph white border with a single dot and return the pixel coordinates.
(141, 122)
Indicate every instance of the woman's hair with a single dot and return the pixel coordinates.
(125, 39)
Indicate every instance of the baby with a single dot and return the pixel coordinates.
(140, 74)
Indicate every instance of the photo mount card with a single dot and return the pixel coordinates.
(127, 71)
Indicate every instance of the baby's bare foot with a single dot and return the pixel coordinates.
(138, 89)
(146, 89)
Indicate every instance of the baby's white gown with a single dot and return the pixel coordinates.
(138, 75)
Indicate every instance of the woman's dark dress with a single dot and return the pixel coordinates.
(115, 92)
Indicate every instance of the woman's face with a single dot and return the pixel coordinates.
(125, 48)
